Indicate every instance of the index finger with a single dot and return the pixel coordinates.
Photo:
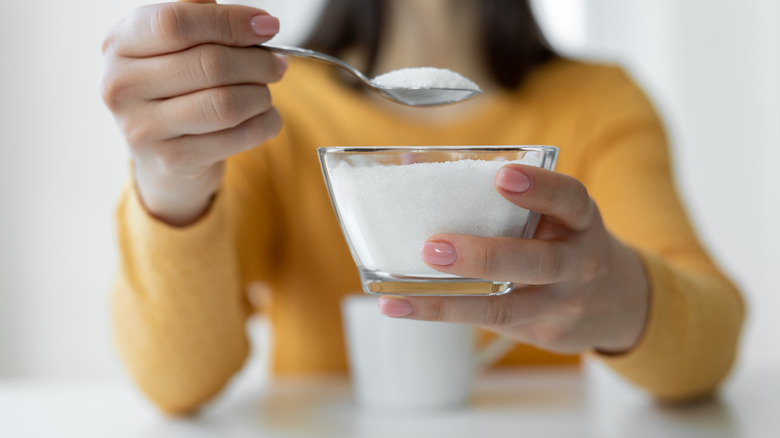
(562, 198)
(520, 306)
(171, 27)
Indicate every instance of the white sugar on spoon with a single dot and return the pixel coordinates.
(425, 77)
(425, 86)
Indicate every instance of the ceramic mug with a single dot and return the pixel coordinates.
(408, 364)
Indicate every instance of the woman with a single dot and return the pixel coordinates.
(224, 198)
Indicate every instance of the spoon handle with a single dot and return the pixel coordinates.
(306, 53)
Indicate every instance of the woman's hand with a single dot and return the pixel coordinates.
(577, 286)
(188, 90)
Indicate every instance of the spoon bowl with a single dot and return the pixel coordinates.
(408, 95)
(426, 96)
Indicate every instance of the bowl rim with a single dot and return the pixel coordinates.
(471, 148)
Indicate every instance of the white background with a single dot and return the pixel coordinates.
(712, 67)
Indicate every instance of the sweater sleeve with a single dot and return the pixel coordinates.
(691, 335)
(178, 304)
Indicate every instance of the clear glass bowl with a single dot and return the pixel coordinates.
(390, 200)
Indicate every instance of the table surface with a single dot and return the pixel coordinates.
(564, 402)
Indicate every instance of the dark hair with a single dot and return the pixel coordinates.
(513, 42)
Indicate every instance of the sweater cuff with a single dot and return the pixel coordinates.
(162, 239)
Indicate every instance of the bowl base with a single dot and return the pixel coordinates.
(381, 283)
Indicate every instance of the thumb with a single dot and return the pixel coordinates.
(162, 29)
(197, 1)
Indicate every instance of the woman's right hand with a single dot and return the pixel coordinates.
(188, 90)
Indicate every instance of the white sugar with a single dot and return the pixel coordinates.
(389, 211)
(425, 77)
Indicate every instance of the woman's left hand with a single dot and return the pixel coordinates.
(577, 286)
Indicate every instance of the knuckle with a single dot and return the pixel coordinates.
(482, 261)
(108, 42)
(221, 105)
(172, 159)
(497, 314)
(549, 336)
(232, 34)
(555, 196)
(575, 307)
(211, 65)
(115, 90)
(582, 205)
(166, 22)
(592, 267)
(138, 134)
(114, 32)
(549, 264)
(439, 311)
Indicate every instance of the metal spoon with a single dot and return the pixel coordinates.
(413, 96)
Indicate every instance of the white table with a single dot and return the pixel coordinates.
(526, 403)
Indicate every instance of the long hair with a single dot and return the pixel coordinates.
(512, 41)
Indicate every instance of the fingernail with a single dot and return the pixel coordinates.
(512, 180)
(283, 64)
(395, 307)
(439, 253)
(265, 25)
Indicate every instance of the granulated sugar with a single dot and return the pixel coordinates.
(425, 77)
(390, 211)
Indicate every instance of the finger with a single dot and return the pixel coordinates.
(172, 27)
(522, 261)
(560, 197)
(189, 152)
(211, 110)
(127, 83)
(202, 67)
(520, 306)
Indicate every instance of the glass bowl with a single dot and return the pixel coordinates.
(390, 200)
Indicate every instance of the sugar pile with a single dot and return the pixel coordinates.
(425, 77)
(389, 211)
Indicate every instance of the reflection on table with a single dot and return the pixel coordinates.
(563, 402)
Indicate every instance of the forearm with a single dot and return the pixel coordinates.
(178, 309)
(691, 337)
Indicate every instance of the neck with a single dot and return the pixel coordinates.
(432, 33)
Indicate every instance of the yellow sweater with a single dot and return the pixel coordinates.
(180, 299)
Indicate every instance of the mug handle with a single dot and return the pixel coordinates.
(492, 352)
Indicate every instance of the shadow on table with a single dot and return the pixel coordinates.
(497, 409)
(709, 418)
(293, 408)
(319, 408)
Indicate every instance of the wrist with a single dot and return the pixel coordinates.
(632, 304)
(175, 199)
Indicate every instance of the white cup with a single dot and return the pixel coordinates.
(407, 364)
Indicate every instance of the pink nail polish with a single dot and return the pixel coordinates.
(439, 253)
(395, 307)
(512, 180)
(265, 25)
